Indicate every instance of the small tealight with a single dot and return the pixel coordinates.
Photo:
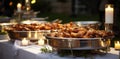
(25, 42)
(41, 42)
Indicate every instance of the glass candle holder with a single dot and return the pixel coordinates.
(117, 45)
(108, 27)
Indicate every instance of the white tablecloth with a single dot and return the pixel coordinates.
(11, 51)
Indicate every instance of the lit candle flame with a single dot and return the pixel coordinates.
(108, 6)
(33, 1)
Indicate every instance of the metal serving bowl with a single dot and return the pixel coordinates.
(78, 43)
(92, 24)
(86, 22)
(33, 21)
(34, 35)
(7, 25)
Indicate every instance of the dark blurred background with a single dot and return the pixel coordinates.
(67, 10)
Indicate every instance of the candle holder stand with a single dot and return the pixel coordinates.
(19, 17)
(28, 15)
(70, 46)
(108, 27)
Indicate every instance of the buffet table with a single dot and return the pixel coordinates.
(9, 50)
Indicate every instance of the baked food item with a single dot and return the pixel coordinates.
(81, 32)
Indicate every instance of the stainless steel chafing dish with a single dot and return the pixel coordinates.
(7, 25)
(32, 35)
(83, 23)
(78, 43)
(33, 21)
(92, 24)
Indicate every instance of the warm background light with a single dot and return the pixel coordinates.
(26, 1)
(33, 1)
(11, 3)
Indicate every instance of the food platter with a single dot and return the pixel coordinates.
(62, 36)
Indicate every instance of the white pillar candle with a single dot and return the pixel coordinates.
(117, 45)
(109, 14)
(19, 7)
(41, 42)
(25, 42)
